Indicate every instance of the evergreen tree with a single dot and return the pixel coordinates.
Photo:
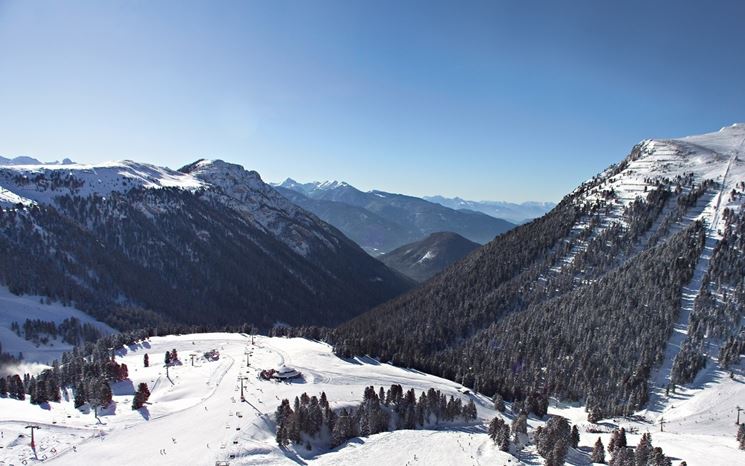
(469, 411)
(643, 450)
(282, 436)
(141, 396)
(520, 423)
(554, 439)
(658, 458)
(16, 388)
(498, 402)
(99, 394)
(598, 452)
(621, 442)
(575, 436)
(595, 415)
(623, 456)
(342, 429)
(3, 387)
(80, 395)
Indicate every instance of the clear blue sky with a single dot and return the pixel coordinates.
(513, 100)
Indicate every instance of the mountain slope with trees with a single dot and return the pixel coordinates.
(581, 302)
(423, 259)
(135, 245)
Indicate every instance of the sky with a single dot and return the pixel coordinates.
(498, 100)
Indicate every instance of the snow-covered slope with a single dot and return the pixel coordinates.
(718, 156)
(198, 418)
(19, 308)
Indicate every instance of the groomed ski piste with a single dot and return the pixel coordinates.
(197, 418)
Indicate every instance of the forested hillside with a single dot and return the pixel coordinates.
(581, 303)
(221, 247)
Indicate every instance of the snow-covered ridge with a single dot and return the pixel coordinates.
(245, 191)
(717, 156)
(41, 184)
(240, 189)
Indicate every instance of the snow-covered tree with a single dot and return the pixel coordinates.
(598, 452)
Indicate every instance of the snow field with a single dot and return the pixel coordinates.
(19, 308)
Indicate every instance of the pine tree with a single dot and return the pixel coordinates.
(623, 456)
(3, 387)
(342, 429)
(575, 436)
(80, 395)
(498, 402)
(658, 458)
(99, 394)
(504, 442)
(495, 428)
(554, 439)
(469, 411)
(621, 442)
(598, 452)
(53, 389)
(282, 437)
(595, 415)
(141, 396)
(16, 388)
(520, 423)
(643, 450)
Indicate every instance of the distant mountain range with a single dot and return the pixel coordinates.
(512, 212)
(380, 221)
(425, 258)
(134, 244)
(23, 160)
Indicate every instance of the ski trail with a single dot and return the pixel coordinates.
(663, 376)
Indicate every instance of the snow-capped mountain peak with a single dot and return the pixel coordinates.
(42, 183)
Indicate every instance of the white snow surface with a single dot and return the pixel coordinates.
(718, 156)
(197, 417)
(19, 308)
